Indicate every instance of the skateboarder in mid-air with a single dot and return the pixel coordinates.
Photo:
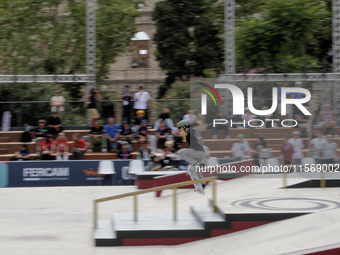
(193, 155)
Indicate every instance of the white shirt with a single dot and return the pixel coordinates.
(317, 143)
(57, 100)
(189, 118)
(240, 149)
(298, 146)
(141, 99)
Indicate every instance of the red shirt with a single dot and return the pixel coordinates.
(287, 151)
(81, 144)
(48, 145)
(61, 145)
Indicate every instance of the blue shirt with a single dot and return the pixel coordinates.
(111, 130)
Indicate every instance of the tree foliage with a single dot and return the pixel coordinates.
(289, 34)
(187, 37)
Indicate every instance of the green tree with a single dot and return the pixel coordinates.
(187, 37)
(50, 35)
(288, 33)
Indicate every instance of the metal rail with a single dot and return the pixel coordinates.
(170, 186)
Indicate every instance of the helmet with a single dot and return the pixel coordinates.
(182, 123)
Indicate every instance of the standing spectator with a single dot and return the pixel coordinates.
(241, 148)
(41, 130)
(297, 143)
(79, 147)
(142, 99)
(93, 98)
(57, 103)
(145, 151)
(22, 154)
(316, 144)
(124, 152)
(162, 133)
(54, 124)
(61, 147)
(327, 122)
(48, 148)
(97, 136)
(190, 117)
(111, 131)
(329, 150)
(222, 115)
(287, 151)
(126, 97)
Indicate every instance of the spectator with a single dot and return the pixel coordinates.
(165, 116)
(145, 151)
(142, 99)
(177, 137)
(97, 136)
(327, 122)
(126, 97)
(297, 143)
(79, 147)
(41, 130)
(190, 117)
(143, 132)
(170, 155)
(124, 152)
(267, 119)
(48, 148)
(92, 99)
(57, 103)
(241, 148)
(316, 144)
(247, 117)
(162, 133)
(26, 135)
(111, 131)
(226, 127)
(155, 164)
(260, 142)
(305, 123)
(287, 151)
(22, 154)
(38, 147)
(62, 147)
(140, 116)
(329, 150)
(54, 124)
(126, 133)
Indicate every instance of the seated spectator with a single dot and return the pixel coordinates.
(79, 147)
(226, 127)
(22, 154)
(162, 133)
(143, 132)
(170, 155)
(145, 151)
(61, 147)
(54, 124)
(38, 147)
(297, 143)
(124, 152)
(327, 121)
(111, 131)
(126, 133)
(155, 164)
(41, 130)
(97, 136)
(305, 123)
(287, 151)
(316, 144)
(26, 135)
(241, 148)
(164, 116)
(176, 136)
(140, 116)
(329, 148)
(260, 142)
(48, 148)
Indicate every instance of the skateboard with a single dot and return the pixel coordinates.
(192, 173)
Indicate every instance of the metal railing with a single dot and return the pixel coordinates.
(170, 186)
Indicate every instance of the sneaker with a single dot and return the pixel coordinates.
(204, 185)
(89, 150)
(104, 150)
